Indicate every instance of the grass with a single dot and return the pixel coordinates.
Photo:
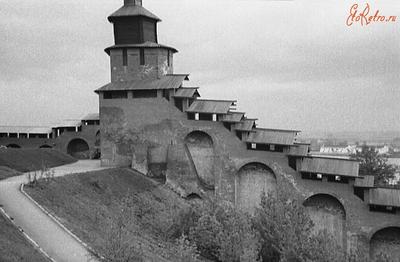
(86, 202)
(14, 247)
(6, 172)
(25, 160)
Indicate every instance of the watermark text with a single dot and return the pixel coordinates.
(365, 16)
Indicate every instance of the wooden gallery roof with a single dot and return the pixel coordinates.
(165, 82)
(384, 197)
(187, 92)
(329, 166)
(26, 129)
(365, 182)
(232, 117)
(211, 106)
(92, 116)
(272, 136)
(246, 125)
(299, 149)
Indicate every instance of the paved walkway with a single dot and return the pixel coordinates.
(50, 236)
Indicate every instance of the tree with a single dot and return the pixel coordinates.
(373, 164)
(287, 232)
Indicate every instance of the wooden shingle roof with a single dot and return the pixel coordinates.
(165, 82)
(329, 166)
(272, 136)
(211, 106)
(384, 197)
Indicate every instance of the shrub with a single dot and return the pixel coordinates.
(186, 250)
(287, 232)
(223, 233)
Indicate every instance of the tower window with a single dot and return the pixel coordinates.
(124, 57)
(142, 60)
(169, 58)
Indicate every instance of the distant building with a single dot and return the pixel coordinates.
(79, 138)
(340, 150)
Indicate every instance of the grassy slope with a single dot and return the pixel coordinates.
(25, 160)
(14, 247)
(84, 202)
(6, 172)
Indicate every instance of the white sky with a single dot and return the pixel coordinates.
(292, 64)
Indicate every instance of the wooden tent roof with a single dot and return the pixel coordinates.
(132, 10)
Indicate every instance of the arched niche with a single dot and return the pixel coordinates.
(78, 148)
(251, 181)
(328, 213)
(200, 149)
(386, 241)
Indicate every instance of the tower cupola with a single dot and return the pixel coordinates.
(136, 53)
(133, 24)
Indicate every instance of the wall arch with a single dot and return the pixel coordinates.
(78, 148)
(13, 146)
(386, 240)
(328, 213)
(251, 180)
(200, 150)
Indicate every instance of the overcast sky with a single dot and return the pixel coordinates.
(292, 64)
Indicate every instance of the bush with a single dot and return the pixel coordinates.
(119, 245)
(223, 233)
(287, 232)
(186, 251)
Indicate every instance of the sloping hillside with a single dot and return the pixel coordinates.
(14, 247)
(90, 203)
(6, 172)
(25, 160)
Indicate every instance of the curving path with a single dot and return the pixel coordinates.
(41, 228)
